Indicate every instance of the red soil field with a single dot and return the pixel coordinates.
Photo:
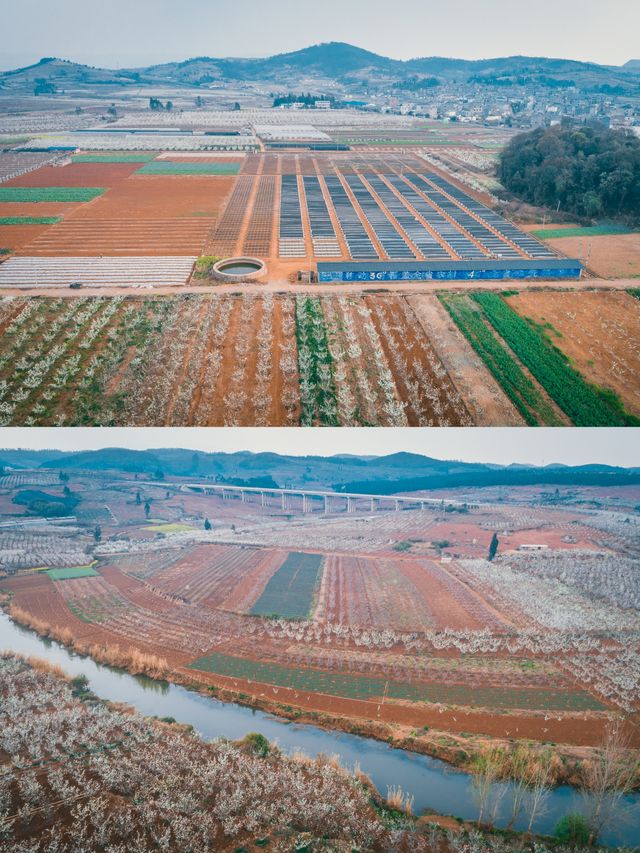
(137, 216)
(610, 256)
(76, 175)
(38, 208)
(372, 592)
(16, 236)
(122, 237)
(453, 604)
(160, 197)
(207, 573)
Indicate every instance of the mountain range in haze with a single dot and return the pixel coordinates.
(333, 61)
(396, 472)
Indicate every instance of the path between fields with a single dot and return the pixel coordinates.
(400, 287)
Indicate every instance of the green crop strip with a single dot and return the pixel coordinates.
(76, 572)
(585, 404)
(29, 220)
(26, 194)
(515, 383)
(317, 388)
(361, 687)
(291, 590)
(593, 231)
(167, 167)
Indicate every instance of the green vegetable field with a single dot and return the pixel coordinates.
(516, 384)
(361, 687)
(29, 220)
(167, 167)
(290, 591)
(29, 194)
(585, 404)
(75, 572)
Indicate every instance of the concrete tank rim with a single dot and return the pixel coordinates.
(220, 274)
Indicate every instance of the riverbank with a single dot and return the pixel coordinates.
(458, 750)
(130, 755)
(435, 787)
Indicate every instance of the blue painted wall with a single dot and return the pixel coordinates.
(446, 275)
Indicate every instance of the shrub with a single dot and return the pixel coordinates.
(573, 829)
(257, 744)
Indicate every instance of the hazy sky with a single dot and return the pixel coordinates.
(118, 33)
(537, 446)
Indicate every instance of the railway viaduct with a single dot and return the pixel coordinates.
(310, 501)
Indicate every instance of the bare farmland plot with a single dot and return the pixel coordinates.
(207, 574)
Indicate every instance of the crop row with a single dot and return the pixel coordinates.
(168, 167)
(29, 220)
(585, 404)
(317, 388)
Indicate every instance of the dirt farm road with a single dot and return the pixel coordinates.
(275, 287)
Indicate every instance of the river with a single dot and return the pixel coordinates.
(433, 784)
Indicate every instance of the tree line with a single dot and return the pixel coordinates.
(589, 171)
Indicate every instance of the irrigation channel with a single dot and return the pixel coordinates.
(434, 785)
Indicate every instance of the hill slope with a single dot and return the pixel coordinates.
(330, 61)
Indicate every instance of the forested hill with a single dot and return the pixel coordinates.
(590, 171)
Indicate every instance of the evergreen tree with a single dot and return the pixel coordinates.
(493, 547)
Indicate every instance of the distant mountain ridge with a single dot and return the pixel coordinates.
(328, 61)
(388, 474)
